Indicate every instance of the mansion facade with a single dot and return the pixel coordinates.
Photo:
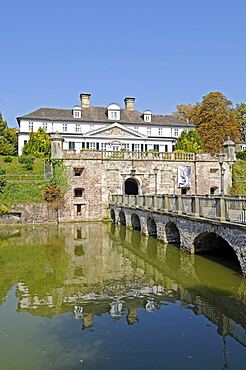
(104, 128)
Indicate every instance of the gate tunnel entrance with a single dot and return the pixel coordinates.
(131, 187)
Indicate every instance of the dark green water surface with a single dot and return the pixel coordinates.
(96, 296)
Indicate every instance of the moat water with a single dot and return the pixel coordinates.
(100, 296)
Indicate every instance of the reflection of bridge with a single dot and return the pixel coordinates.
(173, 270)
(200, 224)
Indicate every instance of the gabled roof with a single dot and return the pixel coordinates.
(115, 130)
(99, 115)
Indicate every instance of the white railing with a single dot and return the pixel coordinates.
(148, 155)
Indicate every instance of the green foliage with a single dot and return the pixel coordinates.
(8, 139)
(241, 155)
(15, 167)
(27, 162)
(60, 176)
(22, 193)
(38, 145)
(189, 142)
(239, 178)
(240, 116)
(2, 180)
(3, 209)
(7, 159)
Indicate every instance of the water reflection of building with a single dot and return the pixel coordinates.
(118, 277)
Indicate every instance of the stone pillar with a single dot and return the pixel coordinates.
(229, 149)
(56, 146)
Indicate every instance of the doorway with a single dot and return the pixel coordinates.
(131, 187)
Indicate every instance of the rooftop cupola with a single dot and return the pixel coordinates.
(114, 112)
(85, 100)
(147, 115)
(77, 111)
(129, 103)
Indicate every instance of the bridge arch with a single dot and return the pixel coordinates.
(131, 186)
(151, 226)
(112, 214)
(214, 244)
(122, 218)
(211, 243)
(172, 233)
(135, 221)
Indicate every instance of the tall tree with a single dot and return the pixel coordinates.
(240, 115)
(38, 144)
(216, 122)
(189, 142)
(8, 139)
(187, 112)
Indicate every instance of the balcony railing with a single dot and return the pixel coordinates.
(217, 208)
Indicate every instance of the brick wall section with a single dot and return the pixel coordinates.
(31, 213)
(104, 176)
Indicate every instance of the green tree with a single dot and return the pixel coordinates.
(240, 116)
(189, 142)
(8, 139)
(216, 122)
(38, 145)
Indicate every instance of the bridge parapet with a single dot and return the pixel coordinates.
(219, 208)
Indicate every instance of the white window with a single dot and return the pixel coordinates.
(126, 146)
(30, 126)
(103, 146)
(137, 147)
(147, 118)
(160, 131)
(92, 127)
(64, 127)
(45, 126)
(176, 132)
(77, 127)
(148, 130)
(77, 114)
(136, 128)
(92, 146)
(114, 115)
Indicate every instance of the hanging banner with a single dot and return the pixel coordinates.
(184, 176)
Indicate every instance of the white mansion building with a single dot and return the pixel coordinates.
(104, 128)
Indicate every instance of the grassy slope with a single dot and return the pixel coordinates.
(22, 192)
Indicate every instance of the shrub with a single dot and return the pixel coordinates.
(7, 159)
(241, 155)
(2, 180)
(27, 162)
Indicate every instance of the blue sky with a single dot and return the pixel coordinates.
(162, 52)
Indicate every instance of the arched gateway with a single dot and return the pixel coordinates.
(131, 186)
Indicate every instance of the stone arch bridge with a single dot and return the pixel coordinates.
(219, 229)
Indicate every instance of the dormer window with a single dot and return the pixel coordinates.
(147, 116)
(77, 111)
(114, 112)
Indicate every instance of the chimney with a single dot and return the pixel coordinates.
(129, 103)
(85, 100)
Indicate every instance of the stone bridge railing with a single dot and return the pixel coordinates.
(231, 209)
